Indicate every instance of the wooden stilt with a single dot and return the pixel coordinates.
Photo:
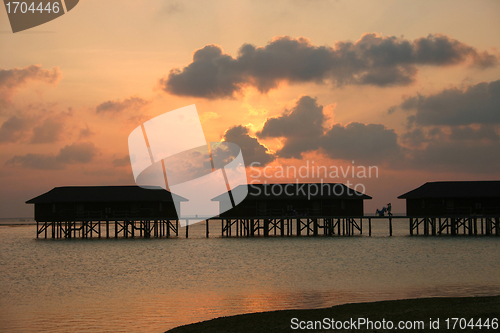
(390, 226)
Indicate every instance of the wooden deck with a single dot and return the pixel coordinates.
(266, 226)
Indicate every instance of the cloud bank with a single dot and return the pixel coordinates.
(476, 104)
(372, 60)
(131, 103)
(76, 153)
(302, 130)
(11, 79)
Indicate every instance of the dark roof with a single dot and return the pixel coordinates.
(459, 189)
(104, 194)
(299, 191)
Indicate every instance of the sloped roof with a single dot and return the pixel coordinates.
(455, 189)
(104, 194)
(302, 191)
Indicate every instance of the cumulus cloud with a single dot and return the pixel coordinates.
(365, 142)
(11, 79)
(476, 104)
(473, 156)
(301, 128)
(132, 103)
(34, 128)
(251, 149)
(453, 148)
(484, 133)
(419, 136)
(373, 60)
(12, 129)
(76, 153)
(462, 148)
(49, 130)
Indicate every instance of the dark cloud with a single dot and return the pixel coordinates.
(441, 50)
(132, 103)
(302, 128)
(457, 148)
(373, 59)
(418, 136)
(12, 129)
(212, 74)
(467, 133)
(476, 104)
(77, 153)
(361, 142)
(252, 150)
(473, 156)
(10, 79)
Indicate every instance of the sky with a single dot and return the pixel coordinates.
(409, 87)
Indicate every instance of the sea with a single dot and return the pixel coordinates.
(152, 285)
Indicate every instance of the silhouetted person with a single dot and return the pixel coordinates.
(381, 212)
(389, 209)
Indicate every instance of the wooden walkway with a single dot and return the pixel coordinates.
(268, 226)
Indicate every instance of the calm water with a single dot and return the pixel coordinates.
(137, 285)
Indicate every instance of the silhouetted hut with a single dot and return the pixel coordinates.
(103, 202)
(313, 199)
(454, 198)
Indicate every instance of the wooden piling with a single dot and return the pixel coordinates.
(207, 231)
(390, 226)
(370, 226)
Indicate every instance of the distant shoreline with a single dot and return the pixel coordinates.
(420, 309)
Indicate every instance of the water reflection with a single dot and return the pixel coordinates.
(154, 285)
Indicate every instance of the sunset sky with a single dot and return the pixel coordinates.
(412, 87)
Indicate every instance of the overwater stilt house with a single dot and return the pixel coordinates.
(101, 202)
(450, 198)
(310, 199)
(73, 211)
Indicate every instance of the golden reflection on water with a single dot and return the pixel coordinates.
(153, 285)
